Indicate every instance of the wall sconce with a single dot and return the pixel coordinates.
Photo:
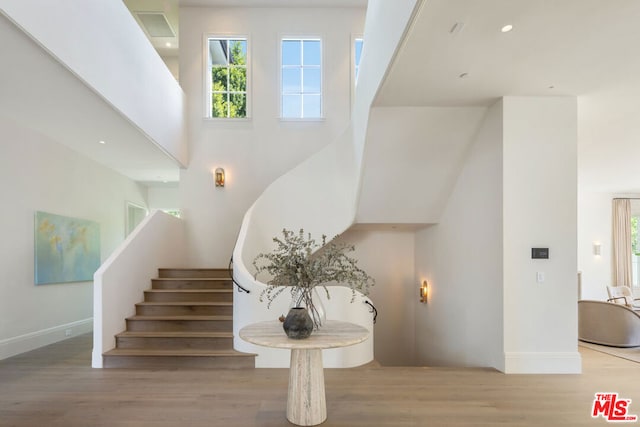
(218, 177)
(424, 292)
(597, 248)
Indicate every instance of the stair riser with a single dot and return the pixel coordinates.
(179, 325)
(175, 343)
(195, 273)
(191, 284)
(189, 310)
(188, 297)
(175, 362)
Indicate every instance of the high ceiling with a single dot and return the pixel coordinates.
(41, 94)
(276, 3)
(456, 55)
(169, 46)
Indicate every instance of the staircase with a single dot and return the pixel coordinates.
(185, 321)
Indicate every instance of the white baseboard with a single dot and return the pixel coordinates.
(542, 363)
(27, 342)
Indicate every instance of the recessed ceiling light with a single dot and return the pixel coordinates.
(101, 142)
(506, 28)
(167, 44)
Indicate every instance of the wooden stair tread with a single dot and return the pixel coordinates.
(168, 334)
(187, 291)
(186, 303)
(142, 317)
(184, 322)
(185, 352)
(192, 279)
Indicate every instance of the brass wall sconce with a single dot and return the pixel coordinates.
(424, 291)
(218, 176)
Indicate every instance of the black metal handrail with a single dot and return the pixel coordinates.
(240, 287)
(372, 309)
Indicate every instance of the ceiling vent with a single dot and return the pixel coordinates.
(155, 24)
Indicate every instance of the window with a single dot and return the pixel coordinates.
(635, 250)
(301, 78)
(227, 67)
(357, 51)
(634, 213)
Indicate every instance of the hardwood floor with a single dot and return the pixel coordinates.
(55, 386)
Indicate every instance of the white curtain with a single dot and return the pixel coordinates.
(621, 242)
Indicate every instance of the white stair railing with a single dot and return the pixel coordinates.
(120, 282)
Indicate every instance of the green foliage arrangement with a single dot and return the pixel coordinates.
(295, 265)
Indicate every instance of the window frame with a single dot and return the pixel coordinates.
(355, 66)
(207, 83)
(281, 67)
(355, 69)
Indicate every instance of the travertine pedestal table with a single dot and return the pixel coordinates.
(306, 403)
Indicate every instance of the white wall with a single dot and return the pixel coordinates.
(163, 197)
(256, 151)
(116, 61)
(540, 210)
(387, 255)
(461, 259)
(406, 148)
(42, 175)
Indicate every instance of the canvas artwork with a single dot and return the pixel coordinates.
(66, 249)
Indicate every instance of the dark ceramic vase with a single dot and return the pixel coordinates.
(298, 324)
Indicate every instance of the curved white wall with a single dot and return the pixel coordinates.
(320, 196)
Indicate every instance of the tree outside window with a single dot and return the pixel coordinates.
(228, 64)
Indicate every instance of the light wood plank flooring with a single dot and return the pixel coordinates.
(55, 386)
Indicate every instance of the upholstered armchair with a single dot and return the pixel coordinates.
(623, 295)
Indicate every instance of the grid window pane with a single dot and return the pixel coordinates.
(291, 52)
(228, 61)
(312, 106)
(219, 79)
(291, 80)
(301, 74)
(292, 106)
(238, 79)
(311, 51)
(218, 51)
(237, 105)
(357, 55)
(219, 105)
(358, 51)
(311, 80)
(238, 52)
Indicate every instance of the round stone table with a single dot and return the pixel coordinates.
(306, 402)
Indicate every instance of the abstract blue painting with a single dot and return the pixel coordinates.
(66, 249)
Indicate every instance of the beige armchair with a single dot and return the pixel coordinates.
(623, 295)
(607, 323)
